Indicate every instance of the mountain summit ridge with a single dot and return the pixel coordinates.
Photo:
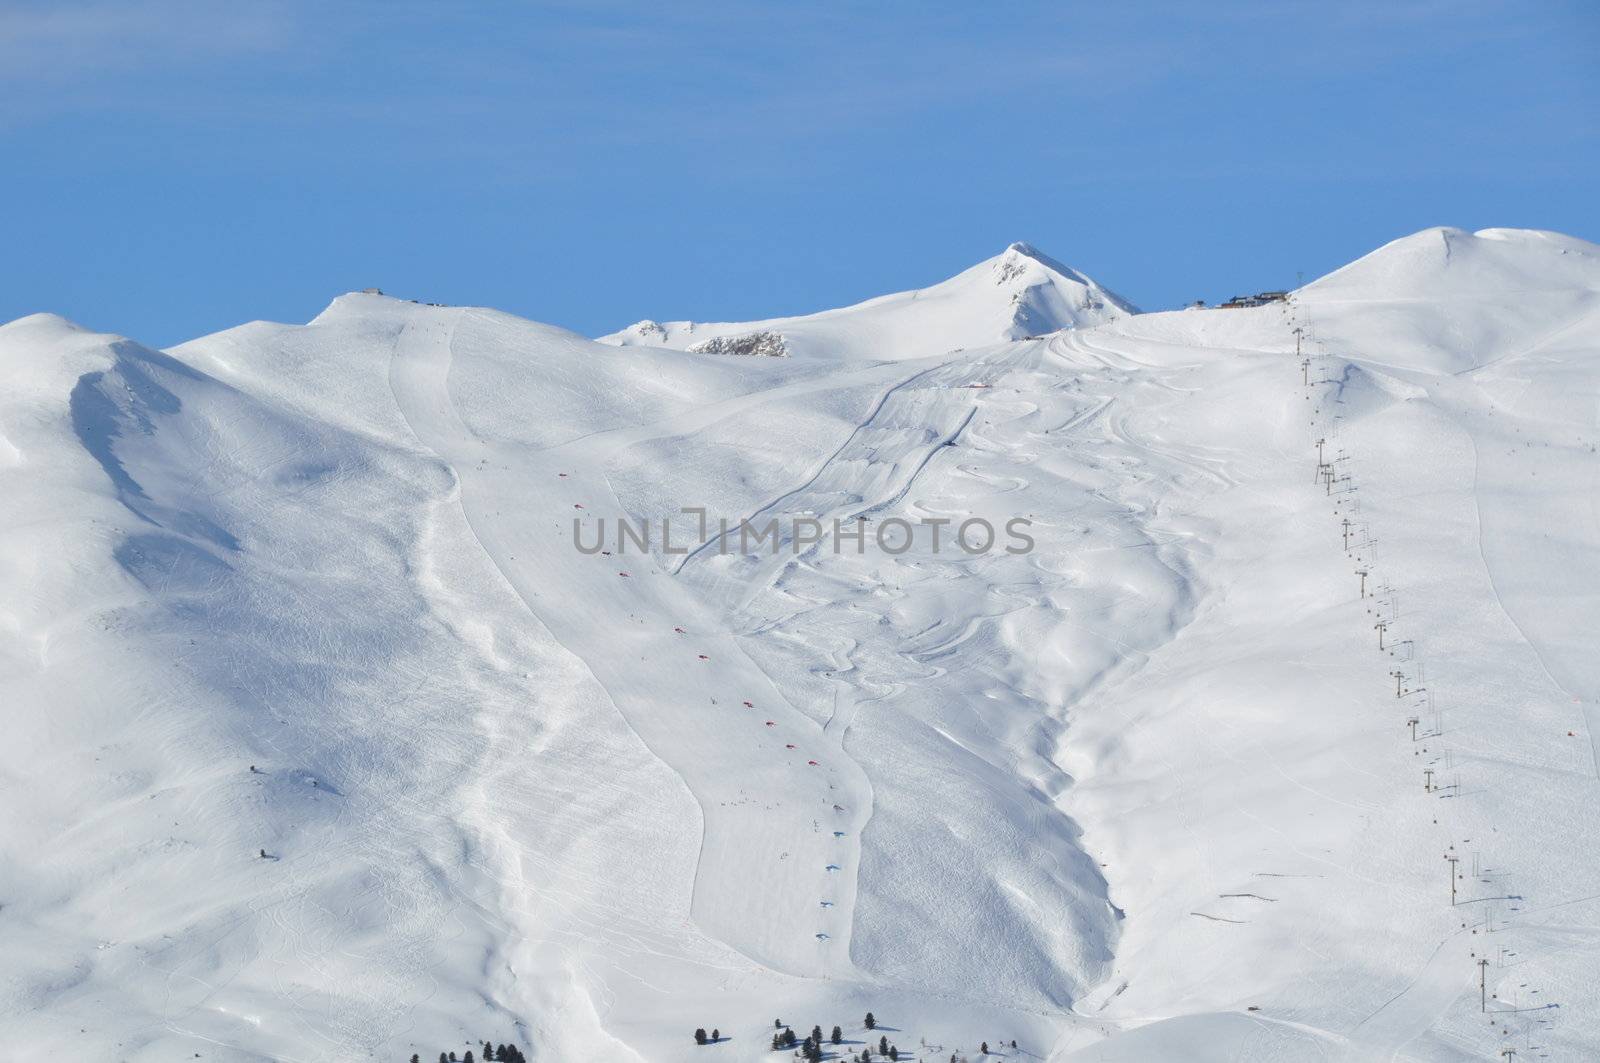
(1018, 293)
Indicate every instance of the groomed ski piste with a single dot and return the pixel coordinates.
(328, 738)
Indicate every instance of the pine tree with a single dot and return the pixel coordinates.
(414, 1057)
(716, 1035)
(984, 1048)
(442, 1058)
(883, 1046)
(894, 1054)
(468, 1057)
(700, 1036)
(872, 1024)
(838, 1035)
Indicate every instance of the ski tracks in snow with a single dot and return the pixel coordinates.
(761, 868)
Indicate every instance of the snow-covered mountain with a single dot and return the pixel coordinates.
(1019, 293)
(334, 732)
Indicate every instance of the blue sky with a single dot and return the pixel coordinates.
(170, 167)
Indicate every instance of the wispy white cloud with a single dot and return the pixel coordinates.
(536, 88)
(66, 42)
(65, 56)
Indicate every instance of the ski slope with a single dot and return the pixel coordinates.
(1148, 791)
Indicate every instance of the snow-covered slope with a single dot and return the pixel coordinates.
(1020, 292)
(1146, 791)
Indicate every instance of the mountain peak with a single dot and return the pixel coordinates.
(43, 324)
(1019, 293)
(1449, 262)
(1021, 250)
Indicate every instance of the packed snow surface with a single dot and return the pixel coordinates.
(341, 724)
